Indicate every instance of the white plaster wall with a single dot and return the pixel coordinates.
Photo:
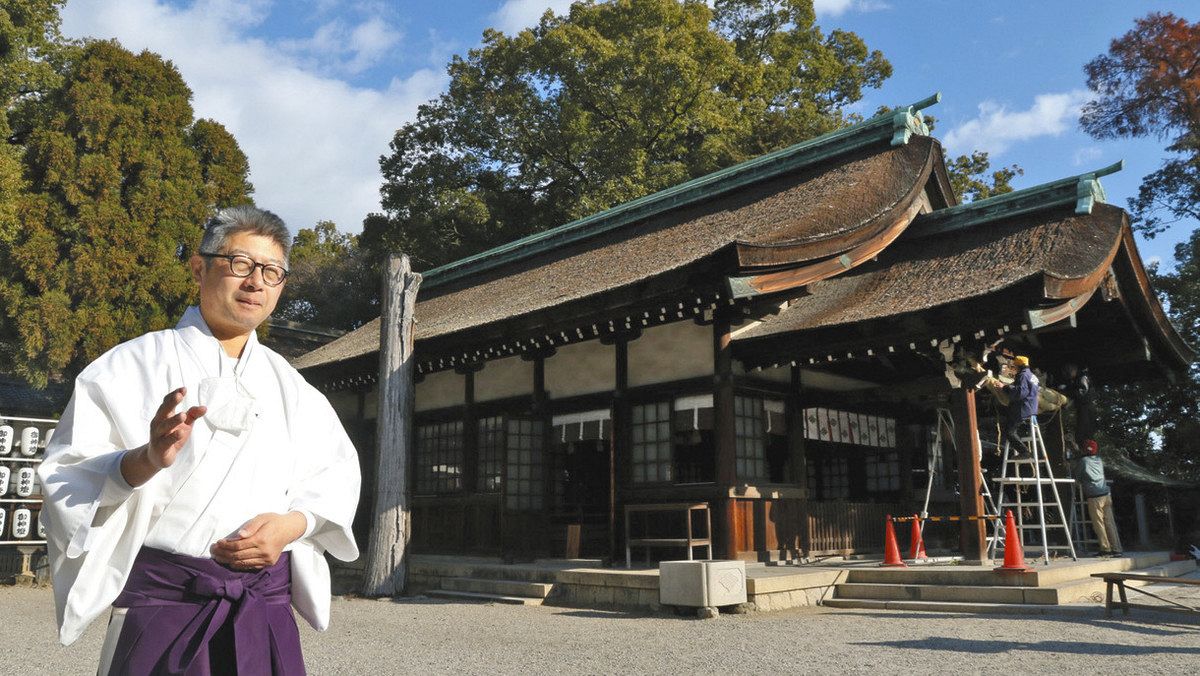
(581, 368)
(820, 380)
(508, 377)
(371, 404)
(781, 374)
(441, 389)
(671, 352)
(345, 403)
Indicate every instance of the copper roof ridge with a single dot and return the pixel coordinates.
(896, 127)
(1084, 191)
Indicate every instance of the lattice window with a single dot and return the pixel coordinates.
(751, 432)
(652, 442)
(883, 472)
(525, 488)
(835, 479)
(491, 454)
(439, 457)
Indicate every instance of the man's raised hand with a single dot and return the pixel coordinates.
(169, 431)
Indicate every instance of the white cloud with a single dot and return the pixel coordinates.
(517, 15)
(313, 140)
(339, 48)
(1086, 155)
(840, 7)
(996, 127)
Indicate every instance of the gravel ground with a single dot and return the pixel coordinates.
(427, 636)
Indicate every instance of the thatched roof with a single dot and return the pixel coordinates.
(836, 199)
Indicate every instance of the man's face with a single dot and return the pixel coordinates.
(235, 306)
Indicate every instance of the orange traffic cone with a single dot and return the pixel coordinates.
(1014, 558)
(891, 550)
(917, 551)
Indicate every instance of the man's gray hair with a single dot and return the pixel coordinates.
(245, 218)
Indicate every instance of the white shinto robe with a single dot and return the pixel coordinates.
(295, 455)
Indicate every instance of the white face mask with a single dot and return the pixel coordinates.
(230, 405)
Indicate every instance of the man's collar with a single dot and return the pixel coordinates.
(203, 344)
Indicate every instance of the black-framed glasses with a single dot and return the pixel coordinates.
(243, 266)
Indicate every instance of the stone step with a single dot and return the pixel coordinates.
(485, 598)
(951, 607)
(522, 588)
(944, 593)
(1038, 575)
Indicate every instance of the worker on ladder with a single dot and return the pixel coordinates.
(1022, 403)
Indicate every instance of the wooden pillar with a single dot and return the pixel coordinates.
(726, 439)
(798, 457)
(620, 458)
(972, 538)
(470, 459)
(797, 452)
(387, 569)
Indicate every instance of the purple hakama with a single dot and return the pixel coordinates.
(194, 616)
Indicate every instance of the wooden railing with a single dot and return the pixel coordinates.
(847, 527)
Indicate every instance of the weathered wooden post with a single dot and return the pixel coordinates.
(387, 564)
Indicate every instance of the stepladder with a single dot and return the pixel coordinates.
(1028, 487)
(944, 435)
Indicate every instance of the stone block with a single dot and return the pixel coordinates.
(702, 583)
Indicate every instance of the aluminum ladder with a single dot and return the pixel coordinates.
(1039, 475)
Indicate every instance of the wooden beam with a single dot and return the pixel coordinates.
(972, 537)
(387, 569)
(723, 427)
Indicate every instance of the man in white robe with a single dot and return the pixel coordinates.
(200, 447)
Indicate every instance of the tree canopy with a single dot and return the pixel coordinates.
(330, 282)
(607, 103)
(1158, 422)
(1148, 84)
(120, 178)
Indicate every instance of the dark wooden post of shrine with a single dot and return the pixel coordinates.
(391, 521)
(726, 438)
(972, 538)
(798, 455)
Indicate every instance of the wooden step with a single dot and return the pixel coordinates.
(522, 588)
(485, 598)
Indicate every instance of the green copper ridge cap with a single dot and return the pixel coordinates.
(1083, 191)
(896, 127)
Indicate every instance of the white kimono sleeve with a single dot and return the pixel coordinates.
(95, 521)
(325, 486)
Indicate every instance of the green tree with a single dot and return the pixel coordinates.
(972, 177)
(115, 201)
(223, 166)
(613, 101)
(330, 281)
(28, 41)
(1148, 84)
(1158, 422)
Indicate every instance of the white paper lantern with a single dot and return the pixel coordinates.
(6, 439)
(48, 436)
(29, 441)
(22, 520)
(2, 515)
(41, 522)
(4, 475)
(25, 482)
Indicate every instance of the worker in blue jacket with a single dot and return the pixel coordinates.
(1022, 403)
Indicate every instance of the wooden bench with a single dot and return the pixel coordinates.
(689, 540)
(1119, 579)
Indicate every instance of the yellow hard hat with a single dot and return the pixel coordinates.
(1021, 360)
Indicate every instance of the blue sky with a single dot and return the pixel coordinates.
(314, 89)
